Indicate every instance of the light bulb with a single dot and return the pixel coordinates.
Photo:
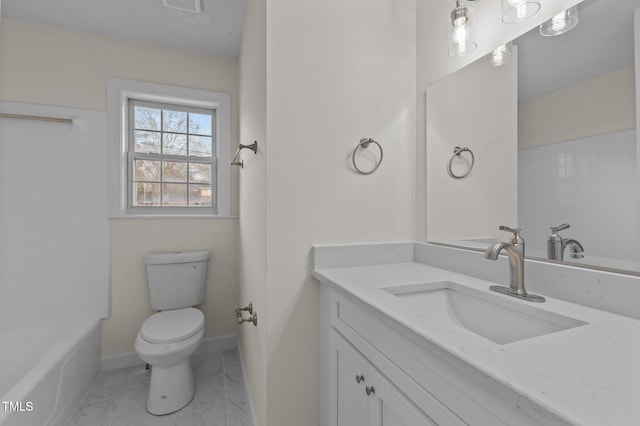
(561, 23)
(498, 54)
(460, 34)
(459, 21)
(521, 8)
(501, 55)
(516, 11)
(461, 38)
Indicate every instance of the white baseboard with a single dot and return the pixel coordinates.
(123, 360)
(217, 344)
(131, 359)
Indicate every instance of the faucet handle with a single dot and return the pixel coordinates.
(506, 228)
(516, 239)
(556, 229)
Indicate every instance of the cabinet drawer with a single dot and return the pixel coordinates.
(422, 375)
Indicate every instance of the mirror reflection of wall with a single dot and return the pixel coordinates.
(475, 107)
(577, 155)
(577, 139)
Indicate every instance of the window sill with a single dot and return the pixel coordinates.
(173, 216)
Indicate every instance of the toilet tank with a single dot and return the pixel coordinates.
(177, 279)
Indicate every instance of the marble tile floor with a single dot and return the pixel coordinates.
(118, 397)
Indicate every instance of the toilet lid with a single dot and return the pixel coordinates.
(172, 326)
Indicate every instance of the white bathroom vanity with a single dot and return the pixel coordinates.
(411, 340)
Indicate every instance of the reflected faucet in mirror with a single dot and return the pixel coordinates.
(556, 245)
(515, 253)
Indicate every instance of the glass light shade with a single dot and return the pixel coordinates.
(516, 11)
(460, 31)
(561, 23)
(501, 55)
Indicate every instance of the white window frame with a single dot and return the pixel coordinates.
(119, 92)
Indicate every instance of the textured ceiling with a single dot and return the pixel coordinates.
(602, 42)
(218, 30)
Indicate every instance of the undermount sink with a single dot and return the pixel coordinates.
(493, 317)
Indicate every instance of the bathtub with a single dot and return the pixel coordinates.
(45, 371)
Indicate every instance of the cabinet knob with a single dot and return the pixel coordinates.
(359, 378)
(369, 390)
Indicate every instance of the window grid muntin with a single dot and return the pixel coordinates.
(133, 155)
(173, 107)
(188, 182)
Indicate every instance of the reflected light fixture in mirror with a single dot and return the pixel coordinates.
(561, 23)
(516, 11)
(501, 55)
(460, 32)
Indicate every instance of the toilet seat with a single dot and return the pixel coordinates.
(172, 326)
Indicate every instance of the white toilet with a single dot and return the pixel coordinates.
(167, 338)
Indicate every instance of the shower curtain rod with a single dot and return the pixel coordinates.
(36, 117)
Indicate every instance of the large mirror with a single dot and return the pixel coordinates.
(553, 137)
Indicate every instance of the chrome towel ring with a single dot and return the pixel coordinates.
(364, 143)
(457, 151)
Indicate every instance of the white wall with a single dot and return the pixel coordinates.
(335, 72)
(50, 65)
(54, 262)
(476, 107)
(253, 199)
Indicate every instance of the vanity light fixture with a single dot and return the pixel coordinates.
(561, 23)
(501, 55)
(516, 11)
(460, 30)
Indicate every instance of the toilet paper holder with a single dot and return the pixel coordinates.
(253, 316)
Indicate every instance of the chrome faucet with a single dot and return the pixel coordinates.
(556, 245)
(515, 253)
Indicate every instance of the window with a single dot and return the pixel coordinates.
(172, 150)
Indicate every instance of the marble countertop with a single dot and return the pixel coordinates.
(587, 375)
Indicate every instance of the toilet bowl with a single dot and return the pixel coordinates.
(166, 341)
(167, 338)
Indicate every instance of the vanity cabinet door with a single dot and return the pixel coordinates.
(390, 407)
(367, 398)
(352, 374)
